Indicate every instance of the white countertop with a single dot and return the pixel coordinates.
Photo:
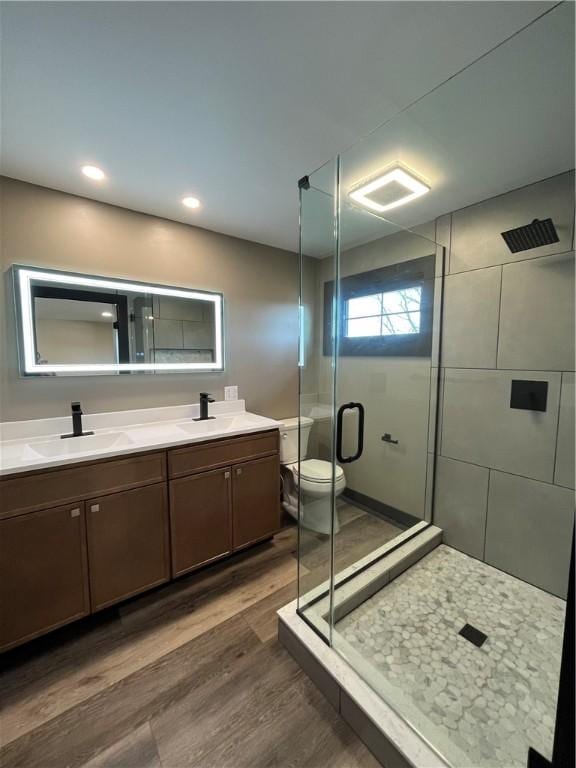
(36, 444)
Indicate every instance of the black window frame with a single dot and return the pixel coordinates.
(418, 272)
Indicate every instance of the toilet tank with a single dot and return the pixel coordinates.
(289, 438)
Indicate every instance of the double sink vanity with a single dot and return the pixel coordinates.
(152, 494)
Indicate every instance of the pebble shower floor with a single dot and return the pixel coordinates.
(482, 706)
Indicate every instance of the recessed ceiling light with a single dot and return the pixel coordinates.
(106, 314)
(393, 188)
(93, 172)
(191, 202)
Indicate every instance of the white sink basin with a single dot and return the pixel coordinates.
(220, 424)
(40, 450)
(74, 445)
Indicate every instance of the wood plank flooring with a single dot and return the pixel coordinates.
(360, 535)
(188, 675)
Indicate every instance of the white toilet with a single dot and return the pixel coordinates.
(313, 477)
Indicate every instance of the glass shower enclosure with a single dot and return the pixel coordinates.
(371, 295)
(438, 563)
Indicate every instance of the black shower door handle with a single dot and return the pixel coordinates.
(360, 446)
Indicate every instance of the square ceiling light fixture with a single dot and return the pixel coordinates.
(391, 189)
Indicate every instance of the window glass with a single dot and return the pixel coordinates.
(404, 300)
(363, 326)
(384, 314)
(364, 306)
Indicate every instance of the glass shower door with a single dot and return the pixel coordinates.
(370, 298)
(388, 310)
(387, 315)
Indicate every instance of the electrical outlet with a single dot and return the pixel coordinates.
(230, 393)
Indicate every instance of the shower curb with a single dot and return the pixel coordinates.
(387, 735)
(360, 581)
(366, 583)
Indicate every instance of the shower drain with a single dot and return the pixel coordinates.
(473, 635)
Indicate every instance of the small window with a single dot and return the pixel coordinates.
(384, 314)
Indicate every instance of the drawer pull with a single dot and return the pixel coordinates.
(75, 512)
(227, 475)
(94, 507)
(239, 470)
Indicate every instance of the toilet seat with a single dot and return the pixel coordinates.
(308, 493)
(317, 471)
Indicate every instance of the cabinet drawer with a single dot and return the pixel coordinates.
(43, 573)
(62, 486)
(221, 453)
(128, 549)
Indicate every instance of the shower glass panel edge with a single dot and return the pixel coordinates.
(316, 398)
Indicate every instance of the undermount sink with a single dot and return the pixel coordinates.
(220, 424)
(73, 445)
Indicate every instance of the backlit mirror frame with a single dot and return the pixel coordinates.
(22, 282)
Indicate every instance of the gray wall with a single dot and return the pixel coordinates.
(505, 476)
(43, 227)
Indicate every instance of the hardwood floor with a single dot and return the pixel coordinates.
(188, 675)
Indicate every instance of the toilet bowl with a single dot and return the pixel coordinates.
(311, 478)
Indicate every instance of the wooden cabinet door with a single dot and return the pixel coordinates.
(200, 519)
(128, 546)
(255, 500)
(43, 572)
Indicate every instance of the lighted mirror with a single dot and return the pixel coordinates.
(73, 324)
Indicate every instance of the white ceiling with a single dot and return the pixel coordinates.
(504, 123)
(231, 102)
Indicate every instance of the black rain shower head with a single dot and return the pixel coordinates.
(531, 235)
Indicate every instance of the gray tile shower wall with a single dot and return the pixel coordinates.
(479, 426)
(461, 504)
(529, 530)
(472, 302)
(564, 470)
(537, 314)
(476, 240)
(505, 475)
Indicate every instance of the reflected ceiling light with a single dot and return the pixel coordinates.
(191, 202)
(393, 188)
(106, 314)
(93, 172)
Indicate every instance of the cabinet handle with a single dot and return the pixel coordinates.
(227, 475)
(94, 507)
(75, 512)
(239, 470)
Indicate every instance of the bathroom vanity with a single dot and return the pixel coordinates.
(91, 521)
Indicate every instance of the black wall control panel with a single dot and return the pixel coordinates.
(529, 395)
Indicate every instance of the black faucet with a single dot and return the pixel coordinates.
(77, 430)
(205, 398)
